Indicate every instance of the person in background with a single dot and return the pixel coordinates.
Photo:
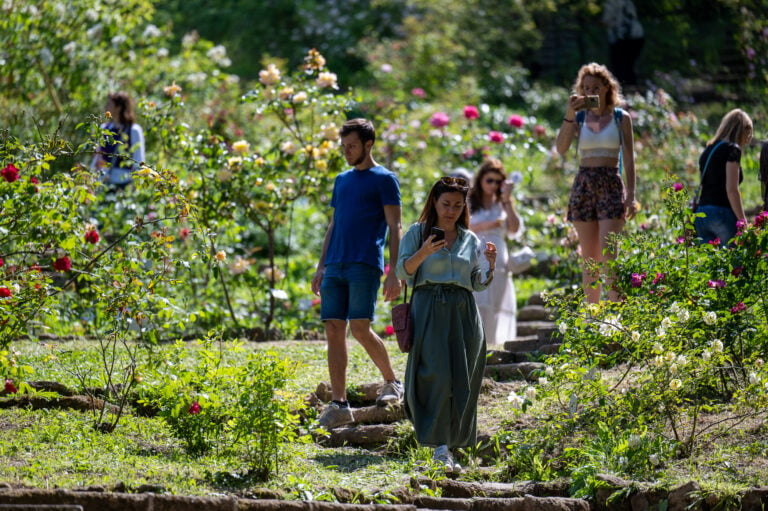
(493, 218)
(720, 198)
(625, 39)
(446, 363)
(599, 202)
(122, 150)
(366, 204)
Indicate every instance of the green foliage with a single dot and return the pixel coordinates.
(209, 402)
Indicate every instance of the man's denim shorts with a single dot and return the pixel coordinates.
(349, 291)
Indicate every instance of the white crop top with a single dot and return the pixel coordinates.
(603, 144)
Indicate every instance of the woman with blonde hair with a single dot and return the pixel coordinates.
(720, 168)
(493, 218)
(600, 201)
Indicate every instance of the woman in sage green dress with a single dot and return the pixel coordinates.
(445, 366)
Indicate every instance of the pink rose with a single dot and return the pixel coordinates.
(677, 187)
(496, 137)
(418, 92)
(516, 121)
(539, 130)
(471, 112)
(439, 120)
(195, 408)
(389, 330)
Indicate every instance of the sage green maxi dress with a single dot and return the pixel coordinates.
(446, 363)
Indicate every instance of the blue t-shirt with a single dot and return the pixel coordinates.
(359, 222)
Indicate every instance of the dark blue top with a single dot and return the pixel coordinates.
(359, 222)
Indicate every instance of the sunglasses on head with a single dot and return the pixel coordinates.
(454, 181)
(492, 181)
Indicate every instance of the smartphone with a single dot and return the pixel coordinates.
(438, 234)
(591, 102)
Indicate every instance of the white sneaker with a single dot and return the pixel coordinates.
(444, 458)
(391, 394)
(334, 416)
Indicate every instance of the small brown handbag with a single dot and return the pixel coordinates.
(402, 322)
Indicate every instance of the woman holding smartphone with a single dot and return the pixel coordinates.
(600, 201)
(446, 363)
(493, 218)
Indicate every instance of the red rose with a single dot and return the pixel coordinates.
(10, 388)
(539, 130)
(516, 121)
(183, 233)
(10, 173)
(389, 330)
(62, 264)
(1, 262)
(5, 292)
(92, 236)
(195, 408)
(471, 112)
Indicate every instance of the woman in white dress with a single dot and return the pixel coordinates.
(494, 218)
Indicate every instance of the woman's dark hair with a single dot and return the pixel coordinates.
(476, 194)
(363, 127)
(444, 185)
(124, 105)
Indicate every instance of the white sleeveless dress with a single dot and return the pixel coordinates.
(497, 304)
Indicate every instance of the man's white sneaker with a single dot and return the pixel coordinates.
(335, 415)
(391, 394)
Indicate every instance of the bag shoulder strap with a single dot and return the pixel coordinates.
(415, 275)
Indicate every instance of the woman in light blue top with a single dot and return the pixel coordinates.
(445, 366)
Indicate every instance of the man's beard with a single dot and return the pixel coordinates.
(359, 160)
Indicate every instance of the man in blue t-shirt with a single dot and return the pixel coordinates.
(366, 203)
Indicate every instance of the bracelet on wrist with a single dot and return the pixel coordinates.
(567, 120)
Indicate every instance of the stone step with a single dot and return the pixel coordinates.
(524, 344)
(515, 371)
(368, 435)
(357, 395)
(526, 328)
(536, 299)
(455, 489)
(534, 313)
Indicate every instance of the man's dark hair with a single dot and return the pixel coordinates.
(363, 127)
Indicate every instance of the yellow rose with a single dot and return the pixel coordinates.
(285, 93)
(221, 255)
(241, 146)
(326, 79)
(172, 90)
(269, 76)
(321, 165)
(299, 97)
